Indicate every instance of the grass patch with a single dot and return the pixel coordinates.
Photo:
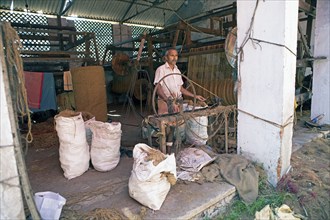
(267, 195)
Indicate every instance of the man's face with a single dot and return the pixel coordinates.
(172, 57)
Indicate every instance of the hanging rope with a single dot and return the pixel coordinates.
(14, 67)
(16, 74)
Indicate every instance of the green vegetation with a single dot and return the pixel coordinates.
(267, 195)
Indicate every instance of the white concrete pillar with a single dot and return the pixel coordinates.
(321, 70)
(266, 80)
(11, 203)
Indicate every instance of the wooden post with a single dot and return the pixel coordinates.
(212, 23)
(60, 36)
(176, 37)
(188, 37)
(310, 25)
(96, 50)
(87, 45)
(150, 58)
(162, 137)
(226, 130)
(141, 46)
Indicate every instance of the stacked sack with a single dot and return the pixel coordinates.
(105, 147)
(77, 131)
(74, 150)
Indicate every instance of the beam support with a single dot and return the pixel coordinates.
(266, 80)
(321, 70)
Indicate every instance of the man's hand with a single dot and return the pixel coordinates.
(172, 106)
(176, 107)
(200, 98)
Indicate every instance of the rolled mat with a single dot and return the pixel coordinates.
(90, 91)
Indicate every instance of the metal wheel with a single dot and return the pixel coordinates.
(156, 87)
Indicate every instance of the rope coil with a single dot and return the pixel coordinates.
(16, 75)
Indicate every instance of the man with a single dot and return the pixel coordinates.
(170, 89)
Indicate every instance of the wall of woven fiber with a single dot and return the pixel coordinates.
(213, 72)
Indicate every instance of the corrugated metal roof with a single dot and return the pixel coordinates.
(145, 12)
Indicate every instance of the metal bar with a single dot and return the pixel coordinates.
(68, 6)
(141, 3)
(129, 8)
(61, 7)
(144, 10)
(223, 11)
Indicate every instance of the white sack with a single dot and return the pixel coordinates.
(105, 148)
(196, 130)
(74, 152)
(146, 184)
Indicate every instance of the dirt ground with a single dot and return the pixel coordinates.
(307, 182)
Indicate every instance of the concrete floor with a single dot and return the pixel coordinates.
(96, 189)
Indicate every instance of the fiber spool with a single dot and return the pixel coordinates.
(120, 64)
(121, 83)
(226, 91)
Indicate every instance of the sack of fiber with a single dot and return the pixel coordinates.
(152, 176)
(74, 150)
(105, 148)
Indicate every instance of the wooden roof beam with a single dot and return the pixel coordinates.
(307, 8)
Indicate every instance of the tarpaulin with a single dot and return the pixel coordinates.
(33, 85)
(48, 94)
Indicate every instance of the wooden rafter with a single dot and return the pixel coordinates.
(307, 8)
